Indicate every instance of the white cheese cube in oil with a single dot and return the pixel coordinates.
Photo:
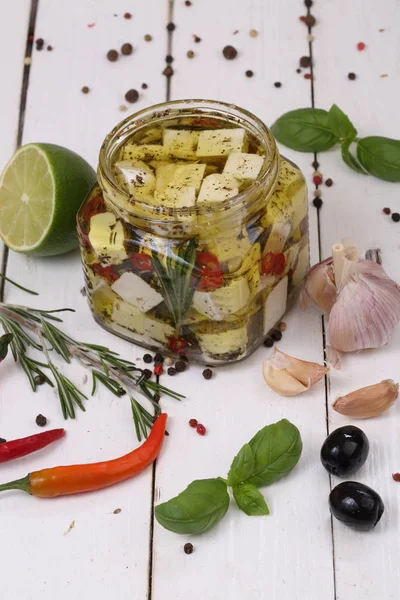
(107, 236)
(145, 152)
(158, 330)
(135, 175)
(180, 143)
(221, 142)
(243, 167)
(224, 301)
(218, 187)
(275, 305)
(278, 236)
(137, 292)
(303, 264)
(128, 316)
(224, 343)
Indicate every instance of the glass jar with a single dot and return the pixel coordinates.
(195, 239)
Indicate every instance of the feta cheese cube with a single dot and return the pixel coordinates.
(145, 152)
(275, 305)
(221, 142)
(135, 175)
(155, 329)
(137, 292)
(128, 316)
(224, 301)
(302, 267)
(231, 341)
(278, 236)
(164, 175)
(243, 167)
(218, 187)
(180, 143)
(107, 237)
(230, 249)
(189, 175)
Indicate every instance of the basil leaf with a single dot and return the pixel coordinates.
(380, 156)
(340, 123)
(349, 159)
(305, 130)
(242, 466)
(198, 508)
(250, 500)
(276, 450)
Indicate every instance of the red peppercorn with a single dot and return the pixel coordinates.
(317, 179)
(158, 370)
(360, 46)
(127, 15)
(193, 423)
(396, 476)
(387, 211)
(201, 430)
(308, 76)
(302, 19)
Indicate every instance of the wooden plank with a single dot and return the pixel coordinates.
(105, 554)
(288, 554)
(365, 564)
(13, 31)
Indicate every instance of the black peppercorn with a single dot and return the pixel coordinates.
(188, 548)
(112, 55)
(207, 373)
(190, 54)
(147, 373)
(144, 86)
(171, 26)
(249, 73)
(39, 44)
(168, 71)
(317, 202)
(148, 37)
(158, 358)
(329, 182)
(171, 371)
(39, 380)
(197, 39)
(387, 211)
(229, 52)
(308, 3)
(309, 20)
(148, 358)
(49, 48)
(169, 59)
(298, 70)
(315, 164)
(85, 89)
(180, 366)
(351, 76)
(396, 217)
(132, 96)
(305, 61)
(268, 342)
(156, 397)
(41, 421)
(126, 49)
(277, 84)
(276, 335)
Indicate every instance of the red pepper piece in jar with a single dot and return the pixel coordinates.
(268, 264)
(27, 445)
(280, 263)
(76, 479)
(178, 345)
(93, 207)
(107, 273)
(211, 276)
(141, 262)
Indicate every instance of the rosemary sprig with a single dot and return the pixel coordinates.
(33, 328)
(176, 277)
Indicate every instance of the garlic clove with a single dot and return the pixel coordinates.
(369, 401)
(290, 376)
(319, 288)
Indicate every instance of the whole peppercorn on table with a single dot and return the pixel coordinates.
(71, 74)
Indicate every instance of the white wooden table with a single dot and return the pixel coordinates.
(297, 552)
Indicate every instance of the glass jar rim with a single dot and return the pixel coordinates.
(179, 108)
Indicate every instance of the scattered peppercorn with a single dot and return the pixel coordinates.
(147, 358)
(156, 397)
(188, 3)
(196, 38)
(207, 373)
(298, 70)
(148, 37)
(171, 26)
(39, 44)
(276, 335)
(317, 202)
(253, 33)
(387, 211)
(249, 73)
(126, 49)
(268, 342)
(309, 20)
(2, 440)
(147, 373)
(117, 511)
(171, 371)
(123, 108)
(49, 48)
(127, 15)
(396, 217)
(282, 326)
(132, 96)
(169, 59)
(168, 71)
(168, 361)
(351, 76)
(329, 182)
(201, 430)
(190, 54)
(188, 548)
(193, 423)
(308, 76)
(396, 476)
(41, 421)
(27, 60)
(305, 62)
(360, 46)
(229, 52)
(315, 164)
(277, 84)
(144, 86)
(112, 55)
(39, 379)
(158, 370)
(302, 18)
(308, 3)
(158, 358)
(180, 366)
(317, 178)
(85, 89)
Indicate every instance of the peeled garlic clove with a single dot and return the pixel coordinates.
(369, 401)
(290, 376)
(319, 288)
(367, 308)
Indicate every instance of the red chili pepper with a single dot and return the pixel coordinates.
(204, 122)
(211, 276)
(268, 263)
(178, 344)
(280, 262)
(107, 273)
(92, 207)
(141, 262)
(27, 445)
(75, 479)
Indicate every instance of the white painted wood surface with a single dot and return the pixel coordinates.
(290, 553)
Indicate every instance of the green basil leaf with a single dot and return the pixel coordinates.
(250, 500)
(305, 130)
(380, 156)
(340, 123)
(350, 159)
(276, 450)
(242, 466)
(198, 508)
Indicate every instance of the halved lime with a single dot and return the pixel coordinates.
(41, 190)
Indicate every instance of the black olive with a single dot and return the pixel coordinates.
(345, 450)
(356, 505)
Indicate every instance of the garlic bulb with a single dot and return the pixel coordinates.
(319, 288)
(369, 401)
(291, 376)
(367, 308)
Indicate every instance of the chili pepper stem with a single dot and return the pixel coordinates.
(18, 484)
